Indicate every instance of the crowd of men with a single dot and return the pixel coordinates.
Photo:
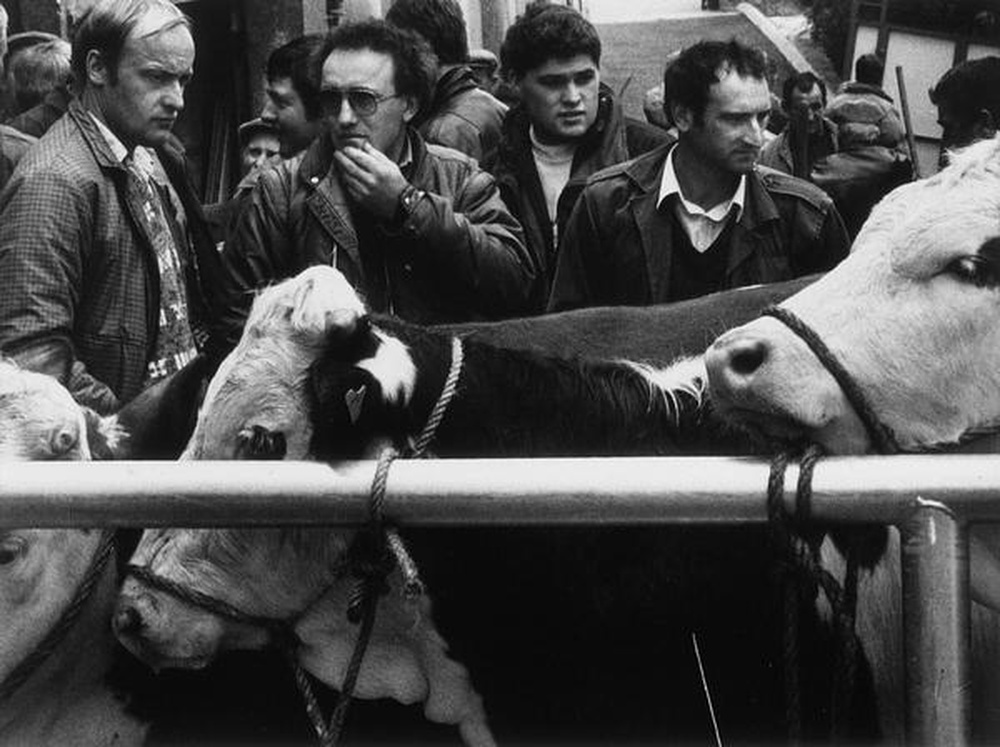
(381, 150)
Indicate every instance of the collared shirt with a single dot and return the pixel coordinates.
(703, 227)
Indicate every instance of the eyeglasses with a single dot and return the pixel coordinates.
(362, 101)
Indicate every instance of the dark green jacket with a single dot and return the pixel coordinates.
(617, 249)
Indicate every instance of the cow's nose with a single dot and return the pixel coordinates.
(732, 361)
(128, 620)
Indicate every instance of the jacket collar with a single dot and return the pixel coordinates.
(93, 137)
(655, 235)
(606, 135)
(455, 81)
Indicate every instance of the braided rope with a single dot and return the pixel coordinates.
(27, 667)
(802, 577)
(200, 599)
(385, 544)
(419, 448)
(880, 433)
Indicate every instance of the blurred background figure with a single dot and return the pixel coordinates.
(872, 158)
(967, 98)
(808, 136)
(293, 95)
(460, 115)
(13, 143)
(37, 69)
(259, 145)
(485, 67)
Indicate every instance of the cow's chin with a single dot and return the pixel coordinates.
(779, 430)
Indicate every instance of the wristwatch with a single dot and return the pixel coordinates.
(408, 200)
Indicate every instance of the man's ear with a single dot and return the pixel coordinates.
(986, 125)
(681, 115)
(98, 72)
(412, 107)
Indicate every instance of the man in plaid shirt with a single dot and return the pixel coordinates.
(103, 248)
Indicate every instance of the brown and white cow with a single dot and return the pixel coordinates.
(575, 634)
(56, 645)
(912, 317)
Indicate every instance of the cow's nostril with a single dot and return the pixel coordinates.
(747, 357)
(128, 621)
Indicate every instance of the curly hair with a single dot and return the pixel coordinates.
(687, 79)
(545, 32)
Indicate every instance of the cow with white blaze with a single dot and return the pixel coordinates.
(57, 588)
(909, 320)
(567, 634)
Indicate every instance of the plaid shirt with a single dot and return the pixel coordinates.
(81, 296)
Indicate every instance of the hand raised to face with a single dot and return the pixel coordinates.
(371, 178)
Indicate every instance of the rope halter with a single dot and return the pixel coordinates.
(881, 435)
(70, 614)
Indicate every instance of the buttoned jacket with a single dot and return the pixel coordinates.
(81, 281)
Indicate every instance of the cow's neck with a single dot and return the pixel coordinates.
(517, 403)
(67, 700)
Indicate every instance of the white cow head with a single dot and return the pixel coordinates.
(39, 569)
(258, 403)
(271, 574)
(912, 315)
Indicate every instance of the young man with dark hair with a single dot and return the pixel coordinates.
(417, 228)
(293, 106)
(566, 127)
(698, 217)
(461, 115)
(107, 263)
(808, 136)
(968, 102)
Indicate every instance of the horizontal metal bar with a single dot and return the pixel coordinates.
(479, 491)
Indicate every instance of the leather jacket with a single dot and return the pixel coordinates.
(457, 255)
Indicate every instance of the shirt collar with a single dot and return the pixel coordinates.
(141, 157)
(669, 186)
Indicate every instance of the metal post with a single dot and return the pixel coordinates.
(936, 626)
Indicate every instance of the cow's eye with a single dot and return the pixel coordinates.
(12, 548)
(976, 270)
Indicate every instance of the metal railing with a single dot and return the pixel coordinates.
(932, 499)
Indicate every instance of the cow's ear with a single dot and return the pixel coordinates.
(258, 442)
(105, 436)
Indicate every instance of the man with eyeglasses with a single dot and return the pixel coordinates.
(419, 229)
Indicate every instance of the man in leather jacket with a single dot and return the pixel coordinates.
(700, 216)
(460, 114)
(419, 229)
